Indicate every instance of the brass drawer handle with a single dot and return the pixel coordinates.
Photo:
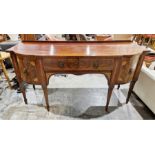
(61, 64)
(76, 63)
(95, 65)
(25, 71)
(130, 70)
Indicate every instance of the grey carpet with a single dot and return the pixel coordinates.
(74, 97)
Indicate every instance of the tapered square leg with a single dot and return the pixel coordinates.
(22, 88)
(110, 89)
(46, 96)
(118, 86)
(132, 84)
(34, 87)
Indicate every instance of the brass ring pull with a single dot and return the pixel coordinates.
(130, 70)
(95, 65)
(25, 71)
(76, 63)
(61, 64)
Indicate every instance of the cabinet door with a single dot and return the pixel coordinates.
(28, 69)
(128, 68)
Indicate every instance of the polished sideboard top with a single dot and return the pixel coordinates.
(112, 48)
(35, 62)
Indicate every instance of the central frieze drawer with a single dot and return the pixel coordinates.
(78, 63)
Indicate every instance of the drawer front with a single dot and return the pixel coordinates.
(56, 64)
(78, 63)
(96, 64)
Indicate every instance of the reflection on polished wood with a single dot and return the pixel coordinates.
(35, 62)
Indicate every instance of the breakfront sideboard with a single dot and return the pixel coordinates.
(35, 62)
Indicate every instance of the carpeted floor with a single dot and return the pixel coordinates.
(71, 97)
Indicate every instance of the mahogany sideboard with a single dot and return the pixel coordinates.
(34, 62)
